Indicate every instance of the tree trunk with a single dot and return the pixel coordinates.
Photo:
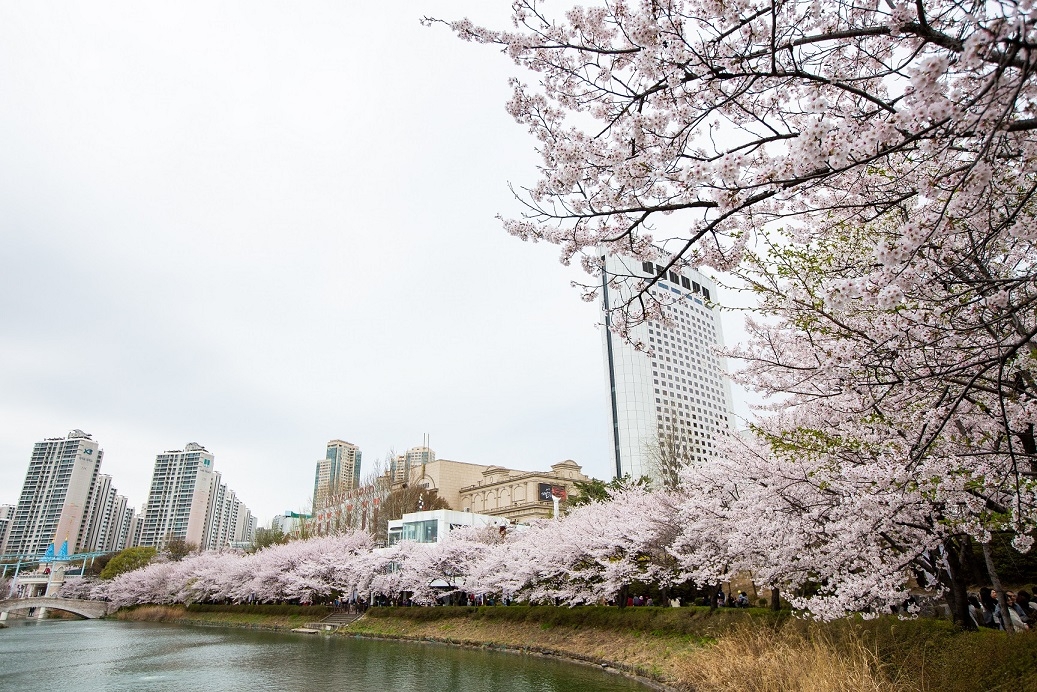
(1006, 617)
(623, 591)
(775, 599)
(957, 597)
(713, 593)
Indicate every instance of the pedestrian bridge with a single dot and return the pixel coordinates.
(83, 608)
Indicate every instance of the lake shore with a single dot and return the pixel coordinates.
(691, 648)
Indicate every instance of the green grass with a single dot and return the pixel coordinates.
(313, 612)
(655, 621)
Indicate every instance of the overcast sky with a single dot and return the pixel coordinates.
(260, 226)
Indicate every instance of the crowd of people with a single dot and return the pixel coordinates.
(985, 609)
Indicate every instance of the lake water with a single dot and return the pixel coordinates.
(86, 655)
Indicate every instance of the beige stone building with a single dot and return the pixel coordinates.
(516, 495)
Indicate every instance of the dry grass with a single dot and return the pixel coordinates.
(151, 613)
(647, 654)
(751, 656)
(783, 659)
(179, 614)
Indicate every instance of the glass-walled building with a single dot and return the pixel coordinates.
(435, 525)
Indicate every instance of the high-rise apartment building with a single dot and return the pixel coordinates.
(183, 486)
(120, 523)
(415, 457)
(337, 472)
(109, 515)
(55, 504)
(188, 500)
(106, 514)
(6, 515)
(136, 527)
(672, 398)
(231, 521)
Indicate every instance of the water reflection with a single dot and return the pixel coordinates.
(95, 655)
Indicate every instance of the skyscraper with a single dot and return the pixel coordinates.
(337, 472)
(55, 504)
(670, 399)
(183, 489)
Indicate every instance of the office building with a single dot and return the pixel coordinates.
(671, 400)
(337, 472)
(55, 503)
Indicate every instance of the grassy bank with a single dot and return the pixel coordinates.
(275, 617)
(691, 649)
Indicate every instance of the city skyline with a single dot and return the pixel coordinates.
(286, 266)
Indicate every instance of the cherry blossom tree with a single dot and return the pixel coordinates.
(916, 410)
(690, 125)
(589, 556)
(894, 146)
(71, 588)
(809, 519)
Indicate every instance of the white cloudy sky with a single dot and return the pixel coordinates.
(260, 226)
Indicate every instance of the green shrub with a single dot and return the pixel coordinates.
(127, 561)
(317, 611)
(696, 621)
